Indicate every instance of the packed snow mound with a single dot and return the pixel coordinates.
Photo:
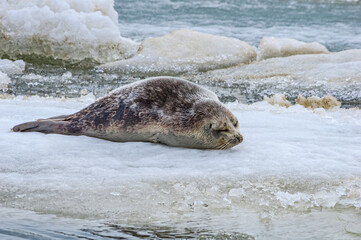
(277, 99)
(191, 46)
(185, 50)
(69, 30)
(4, 80)
(8, 67)
(271, 47)
(333, 69)
(12, 67)
(325, 102)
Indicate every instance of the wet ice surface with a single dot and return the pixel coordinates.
(296, 166)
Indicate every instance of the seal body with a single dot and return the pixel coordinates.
(164, 110)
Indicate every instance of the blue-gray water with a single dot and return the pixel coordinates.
(335, 24)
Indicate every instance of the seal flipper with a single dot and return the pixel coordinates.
(26, 127)
(44, 126)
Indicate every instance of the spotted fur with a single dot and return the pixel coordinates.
(167, 110)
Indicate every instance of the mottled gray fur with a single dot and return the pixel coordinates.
(166, 110)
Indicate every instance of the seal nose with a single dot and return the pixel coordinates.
(239, 138)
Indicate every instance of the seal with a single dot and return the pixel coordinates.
(165, 110)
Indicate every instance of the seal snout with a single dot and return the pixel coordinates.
(239, 138)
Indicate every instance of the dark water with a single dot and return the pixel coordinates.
(18, 224)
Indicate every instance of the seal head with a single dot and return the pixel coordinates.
(218, 127)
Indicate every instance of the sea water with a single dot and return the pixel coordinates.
(295, 176)
(334, 23)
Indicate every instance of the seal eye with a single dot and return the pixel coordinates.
(236, 124)
(210, 126)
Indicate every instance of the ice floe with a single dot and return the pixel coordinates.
(337, 74)
(4, 80)
(7, 68)
(271, 47)
(292, 159)
(185, 50)
(279, 99)
(71, 31)
(325, 102)
(12, 67)
(335, 68)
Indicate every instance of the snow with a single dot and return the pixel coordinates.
(70, 30)
(334, 69)
(12, 67)
(271, 47)
(325, 102)
(186, 50)
(279, 99)
(292, 159)
(8, 67)
(336, 74)
(4, 80)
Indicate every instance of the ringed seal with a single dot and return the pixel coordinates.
(165, 110)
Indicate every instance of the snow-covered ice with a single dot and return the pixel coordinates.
(7, 68)
(70, 30)
(271, 47)
(292, 159)
(12, 67)
(334, 68)
(337, 74)
(185, 50)
(325, 102)
(4, 80)
(277, 99)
